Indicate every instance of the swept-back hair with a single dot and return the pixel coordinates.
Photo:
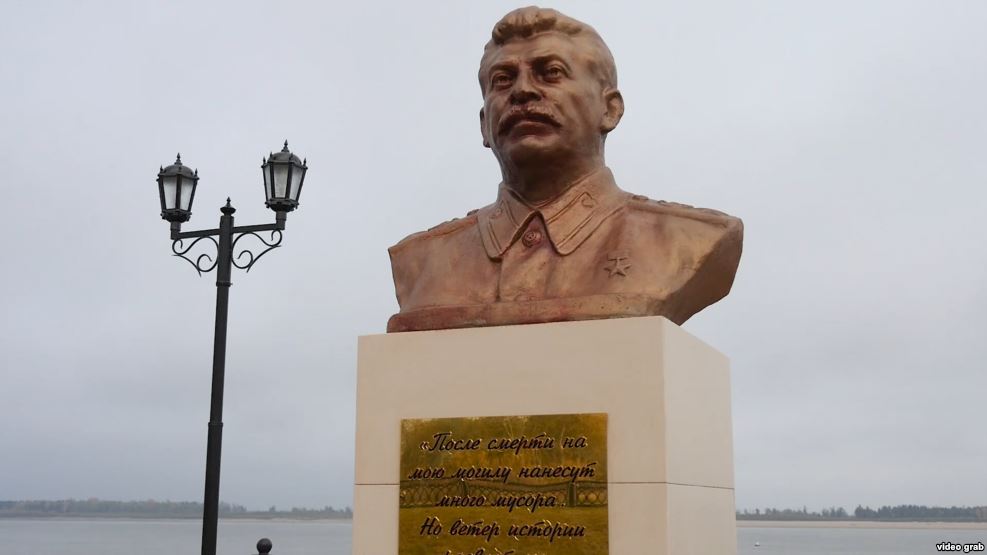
(524, 23)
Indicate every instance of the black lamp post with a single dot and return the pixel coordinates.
(284, 175)
(176, 187)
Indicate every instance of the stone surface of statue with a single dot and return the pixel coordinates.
(562, 241)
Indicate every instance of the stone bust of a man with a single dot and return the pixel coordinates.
(561, 241)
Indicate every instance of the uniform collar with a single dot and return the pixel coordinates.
(570, 218)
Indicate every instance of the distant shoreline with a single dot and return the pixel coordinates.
(85, 516)
(861, 524)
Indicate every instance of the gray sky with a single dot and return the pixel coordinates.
(849, 136)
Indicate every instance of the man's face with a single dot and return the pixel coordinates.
(542, 99)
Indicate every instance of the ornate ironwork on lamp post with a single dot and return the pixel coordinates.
(284, 175)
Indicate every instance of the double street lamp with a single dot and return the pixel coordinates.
(284, 176)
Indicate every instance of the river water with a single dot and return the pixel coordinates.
(290, 537)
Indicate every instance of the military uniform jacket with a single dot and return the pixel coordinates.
(594, 252)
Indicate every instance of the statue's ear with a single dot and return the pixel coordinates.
(614, 109)
(483, 129)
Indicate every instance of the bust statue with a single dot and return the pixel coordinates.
(562, 241)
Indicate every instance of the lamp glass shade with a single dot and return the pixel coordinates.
(280, 180)
(187, 185)
(170, 185)
(297, 173)
(266, 171)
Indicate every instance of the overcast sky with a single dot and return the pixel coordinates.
(851, 137)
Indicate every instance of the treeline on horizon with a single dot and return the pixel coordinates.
(887, 512)
(155, 509)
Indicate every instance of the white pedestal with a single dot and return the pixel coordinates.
(670, 448)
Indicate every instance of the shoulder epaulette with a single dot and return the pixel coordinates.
(444, 228)
(706, 215)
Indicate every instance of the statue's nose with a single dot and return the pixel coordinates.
(524, 89)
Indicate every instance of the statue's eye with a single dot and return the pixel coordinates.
(500, 80)
(554, 73)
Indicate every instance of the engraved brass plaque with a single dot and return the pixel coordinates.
(504, 485)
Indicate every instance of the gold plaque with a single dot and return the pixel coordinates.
(504, 485)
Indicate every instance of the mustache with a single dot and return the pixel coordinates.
(528, 112)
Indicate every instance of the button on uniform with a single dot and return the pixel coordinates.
(523, 269)
(531, 238)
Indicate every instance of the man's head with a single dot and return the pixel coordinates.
(549, 88)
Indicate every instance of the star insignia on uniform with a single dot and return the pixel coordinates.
(618, 263)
